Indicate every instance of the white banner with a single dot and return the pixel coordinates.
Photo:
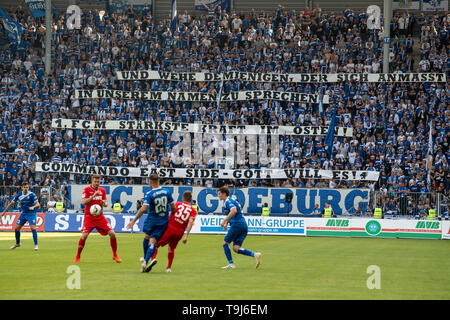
(434, 5)
(200, 96)
(279, 77)
(348, 175)
(198, 128)
(445, 229)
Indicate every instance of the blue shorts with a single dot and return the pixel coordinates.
(154, 231)
(29, 216)
(236, 234)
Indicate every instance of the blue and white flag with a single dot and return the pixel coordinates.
(219, 96)
(330, 134)
(174, 18)
(37, 7)
(12, 27)
(321, 100)
(434, 5)
(430, 155)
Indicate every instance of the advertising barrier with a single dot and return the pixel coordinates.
(9, 220)
(259, 225)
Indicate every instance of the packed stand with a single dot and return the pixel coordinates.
(390, 120)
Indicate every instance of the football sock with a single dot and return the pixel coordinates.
(227, 251)
(113, 242)
(170, 256)
(245, 252)
(155, 253)
(17, 237)
(145, 246)
(149, 254)
(80, 246)
(35, 237)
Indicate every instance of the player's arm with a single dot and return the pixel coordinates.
(138, 215)
(172, 208)
(188, 229)
(9, 206)
(36, 205)
(104, 201)
(224, 223)
(85, 201)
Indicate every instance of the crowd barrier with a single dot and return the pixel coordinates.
(292, 226)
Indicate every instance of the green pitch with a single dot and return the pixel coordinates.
(292, 268)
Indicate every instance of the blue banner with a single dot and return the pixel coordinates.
(37, 7)
(73, 222)
(12, 27)
(251, 199)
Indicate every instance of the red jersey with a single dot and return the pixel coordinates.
(180, 219)
(89, 192)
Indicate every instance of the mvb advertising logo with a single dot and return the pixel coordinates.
(373, 227)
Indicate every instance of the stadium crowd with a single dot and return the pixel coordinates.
(391, 121)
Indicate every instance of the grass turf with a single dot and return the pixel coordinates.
(292, 268)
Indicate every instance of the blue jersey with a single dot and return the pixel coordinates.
(158, 201)
(238, 218)
(25, 201)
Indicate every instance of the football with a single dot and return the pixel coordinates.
(96, 210)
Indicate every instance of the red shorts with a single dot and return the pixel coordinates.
(171, 237)
(102, 225)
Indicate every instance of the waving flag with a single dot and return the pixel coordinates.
(430, 155)
(330, 134)
(37, 7)
(174, 18)
(321, 100)
(219, 96)
(12, 27)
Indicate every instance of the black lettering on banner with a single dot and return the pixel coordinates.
(143, 172)
(344, 175)
(45, 166)
(124, 171)
(113, 171)
(102, 171)
(100, 125)
(237, 174)
(121, 124)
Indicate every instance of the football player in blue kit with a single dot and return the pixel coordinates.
(159, 204)
(237, 231)
(28, 203)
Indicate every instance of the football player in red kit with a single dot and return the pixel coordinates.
(183, 218)
(94, 194)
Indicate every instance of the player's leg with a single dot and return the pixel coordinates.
(113, 243)
(81, 243)
(226, 249)
(174, 239)
(19, 226)
(149, 262)
(35, 236)
(237, 247)
(156, 233)
(32, 223)
(170, 256)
